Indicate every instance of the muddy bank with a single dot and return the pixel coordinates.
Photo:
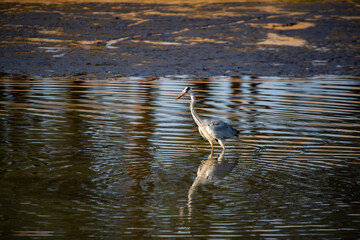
(273, 38)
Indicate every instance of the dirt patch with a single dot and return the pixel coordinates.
(273, 38)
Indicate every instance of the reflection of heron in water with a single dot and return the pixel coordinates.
(208, 172)
(210, 129)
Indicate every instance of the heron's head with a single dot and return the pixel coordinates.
(183, 92)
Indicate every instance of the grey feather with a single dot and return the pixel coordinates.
(211, 129)
(219, 129)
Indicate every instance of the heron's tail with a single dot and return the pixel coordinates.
(236, 132)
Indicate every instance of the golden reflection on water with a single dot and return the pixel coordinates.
(314, 112)
(126, 145)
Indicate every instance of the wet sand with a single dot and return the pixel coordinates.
(264, 38)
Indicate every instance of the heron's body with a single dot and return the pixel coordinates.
(211, 129)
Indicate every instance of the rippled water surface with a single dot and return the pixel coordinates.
(120, 158)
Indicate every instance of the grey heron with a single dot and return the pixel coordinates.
(210, 129)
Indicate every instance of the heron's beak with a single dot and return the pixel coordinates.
(182, 94)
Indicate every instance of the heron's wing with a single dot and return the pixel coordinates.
(219, 129)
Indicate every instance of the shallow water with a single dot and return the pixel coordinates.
(119, 158)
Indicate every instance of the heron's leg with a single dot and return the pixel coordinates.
(221, 155)
(222, 143)
(212, 147)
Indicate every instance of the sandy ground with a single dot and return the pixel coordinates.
(264, 38)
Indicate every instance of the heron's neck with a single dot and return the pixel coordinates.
(193, 111)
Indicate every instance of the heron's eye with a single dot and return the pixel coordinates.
(187, 89)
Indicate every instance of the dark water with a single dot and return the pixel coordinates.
(120, 158)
